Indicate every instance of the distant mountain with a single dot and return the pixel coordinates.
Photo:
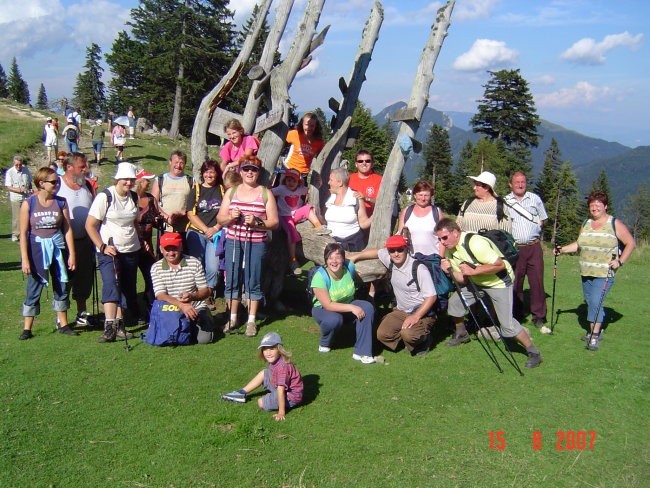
(577, 148)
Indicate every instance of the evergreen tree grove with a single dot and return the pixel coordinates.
(437, 165)
(371, 137)
(601, 183)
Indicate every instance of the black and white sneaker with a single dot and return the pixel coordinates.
(238, 396)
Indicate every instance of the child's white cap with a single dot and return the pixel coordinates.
(271, 339)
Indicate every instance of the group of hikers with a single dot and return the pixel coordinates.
(216, 230)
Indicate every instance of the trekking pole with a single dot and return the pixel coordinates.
(510, 357)
(468, 309)
(610, 274)
(119, 291)
(230, 326)
(553, 240)
(95, 290)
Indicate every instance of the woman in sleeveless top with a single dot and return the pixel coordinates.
(421, 221)
(598, 245)
(44, 234)
(248, 212)
(485, 210)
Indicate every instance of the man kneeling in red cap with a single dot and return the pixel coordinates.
(411, 321)
(180, 281)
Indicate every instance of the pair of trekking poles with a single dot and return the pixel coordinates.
(485, 343)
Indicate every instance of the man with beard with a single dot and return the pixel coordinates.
(79, 195)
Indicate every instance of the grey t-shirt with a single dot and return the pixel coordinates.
(408, 297)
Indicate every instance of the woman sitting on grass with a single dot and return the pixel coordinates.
(281, 379)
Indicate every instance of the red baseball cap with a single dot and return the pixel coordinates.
(144, 174)
(396, 241)
(171, 239)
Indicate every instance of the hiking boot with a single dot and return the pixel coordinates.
(26, 334)
(458, 339)
(363, 359)
(86, 320)
(295, 268)
(238, 396)
(588, 337)
(66, 330)
(423, 347)
(593, 344)
(110, 331)
(121, 333)
(538, 323)
(534, 359)
(251, 329)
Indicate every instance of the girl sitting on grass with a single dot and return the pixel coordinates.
(280, 378)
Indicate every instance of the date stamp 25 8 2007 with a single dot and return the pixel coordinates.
(565, 440)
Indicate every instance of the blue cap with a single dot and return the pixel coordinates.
(271, 339)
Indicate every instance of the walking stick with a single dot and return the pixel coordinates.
(488, 350)
(119, 291)
(557, 211)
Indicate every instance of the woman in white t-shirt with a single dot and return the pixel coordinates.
(420, 220)
(345, 214)
(111, 225)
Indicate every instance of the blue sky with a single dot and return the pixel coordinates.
(583, 59)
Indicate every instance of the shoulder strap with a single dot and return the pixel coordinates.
(109, 200)
(414, 273)
(60, 201)
(436, 215)
(408, 212)
(467, 247)
(161, 177)
(326, 277)
(190, 180)
(518, 207)
(265, 195)
(467, 203)
(134, 197)
(500, 213)
(196, 197)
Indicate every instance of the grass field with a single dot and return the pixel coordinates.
(77, 413)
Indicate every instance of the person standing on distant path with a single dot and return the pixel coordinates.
(97, 137)
(132, 121)
(18, 181)
(599, 244)
(119, 141)
(528, 214)
(77, 192)
(71, 134)
(50, 139)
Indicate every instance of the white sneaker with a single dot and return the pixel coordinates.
(324, 349)
(363, 359)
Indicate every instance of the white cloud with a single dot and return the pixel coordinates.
(84, 31)
(546, 80)
(310, 70)
(485, 54)
(242, 9)
(583, 94)
(474, 9)
(588, 51)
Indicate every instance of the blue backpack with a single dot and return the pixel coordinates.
(168, 326)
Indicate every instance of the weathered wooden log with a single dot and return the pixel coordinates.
(198, 144)
(383, 212)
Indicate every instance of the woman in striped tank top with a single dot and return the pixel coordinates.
(598, 245)
(248, 212)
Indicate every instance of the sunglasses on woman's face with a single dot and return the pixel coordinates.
(253, 169)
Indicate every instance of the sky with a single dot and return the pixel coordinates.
(583, 59)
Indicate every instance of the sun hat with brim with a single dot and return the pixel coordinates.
(144, 175)
(396, 241)
(125, 171)
(271, 339)
(171, 239)
(49, 119)
(486, 178)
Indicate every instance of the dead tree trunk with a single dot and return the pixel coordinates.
(410, 121)
(330, 156)
(199, 146)
(280, 80)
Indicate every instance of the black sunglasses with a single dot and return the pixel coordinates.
(396, 249)
(254, 169)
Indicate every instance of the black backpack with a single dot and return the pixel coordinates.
(502, 240)
(71, 134)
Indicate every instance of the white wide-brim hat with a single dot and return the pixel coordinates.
(486, 178)
(125, 171)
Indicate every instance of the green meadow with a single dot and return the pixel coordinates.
(76, 413)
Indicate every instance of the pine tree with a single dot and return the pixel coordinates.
(572, 208)
(18, 90)
(88, 94)
(437, 165)
(324, 123)
(4, 89)
(548, 182)
(41, 98)
(176, 53)
(637, 213)
(601, 183)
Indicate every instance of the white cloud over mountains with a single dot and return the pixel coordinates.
(588, 51)
(486, 54)
(582, 94)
